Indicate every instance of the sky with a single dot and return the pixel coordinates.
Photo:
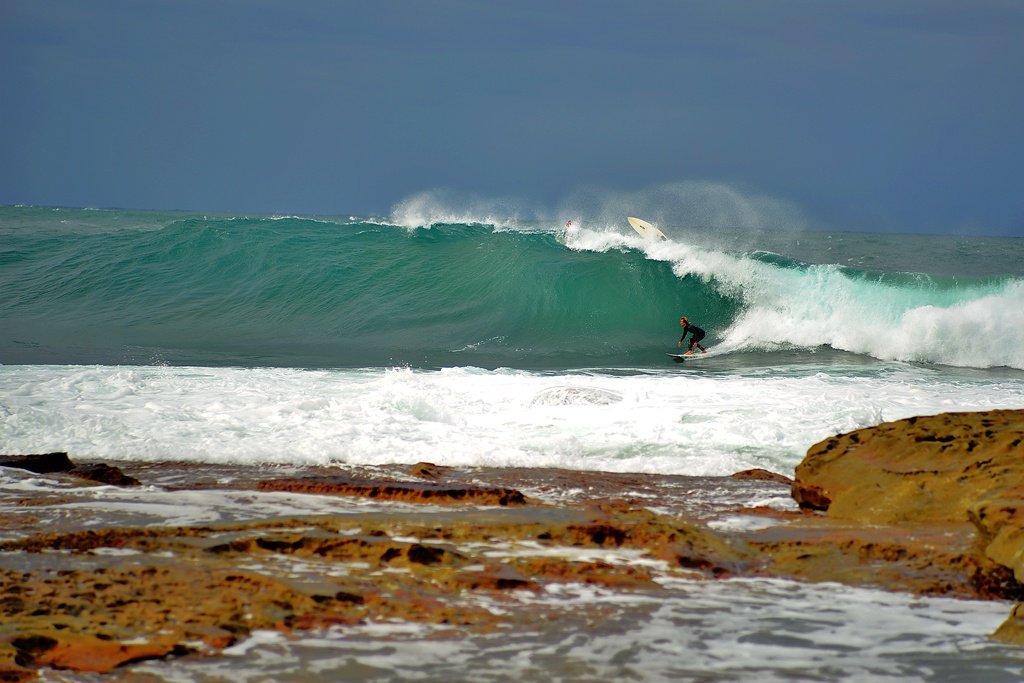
(874, 115)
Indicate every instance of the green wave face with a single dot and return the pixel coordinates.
(356, 293)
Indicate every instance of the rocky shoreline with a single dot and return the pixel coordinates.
(927, 505)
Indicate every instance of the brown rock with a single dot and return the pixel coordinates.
(810, 497)
(758, 474)
(950, 468)
(105, 474)
(214, 637)
(178, 589)
(425, 470)
(49, 463)
(1012, 630)
(94, 620)
(40, 463)
(597, 573)
(413, 493)
(85, 652)
(10, 670)
(920, 558)
(494, 578)
(921, 469)
(692, 558)
(1000, 520)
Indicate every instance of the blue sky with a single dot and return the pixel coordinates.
(870, 115)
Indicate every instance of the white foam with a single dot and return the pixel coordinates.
(978, 325)
(665, 422)
(975, 327)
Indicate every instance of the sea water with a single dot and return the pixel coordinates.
(467, 340)
(250, 339)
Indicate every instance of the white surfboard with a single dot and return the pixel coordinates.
(680, 357)
(645, 229)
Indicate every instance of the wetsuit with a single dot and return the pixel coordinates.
(697, 333)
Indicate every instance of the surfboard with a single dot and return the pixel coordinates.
(645, 229)
(680, 357)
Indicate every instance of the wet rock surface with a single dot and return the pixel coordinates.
(939, 471)
(933, 468)
(899, 506)
(419, 493)
(49, 463)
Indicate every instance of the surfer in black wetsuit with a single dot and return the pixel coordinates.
(697, 333)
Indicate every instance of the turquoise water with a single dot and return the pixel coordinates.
(122, 287)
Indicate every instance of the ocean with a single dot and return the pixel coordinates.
(482, 340)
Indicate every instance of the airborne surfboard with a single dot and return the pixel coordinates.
(646, 229)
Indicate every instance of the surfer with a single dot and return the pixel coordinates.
(697, 333)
